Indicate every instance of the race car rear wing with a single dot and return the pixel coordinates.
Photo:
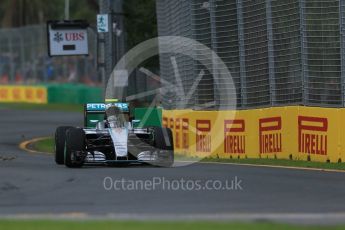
(95, 112)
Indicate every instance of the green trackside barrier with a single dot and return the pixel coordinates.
(148, 116)
(73, 94)
(68, 93)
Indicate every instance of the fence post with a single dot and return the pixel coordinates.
(22, 55)
(214, 45)
(242, 53)
(304, 54)
(270, 45)
(11, 64)
(107, 45)
(342, 49)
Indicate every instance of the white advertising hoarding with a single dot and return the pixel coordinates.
(66, 41)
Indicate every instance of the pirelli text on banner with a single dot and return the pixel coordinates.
(312, 135)
(270, 135)
(234, 137)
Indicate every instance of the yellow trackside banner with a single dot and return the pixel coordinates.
(23, 94)
(292, 132)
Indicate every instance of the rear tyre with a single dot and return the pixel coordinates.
(164, 144)
(74, 147)
(60, 138)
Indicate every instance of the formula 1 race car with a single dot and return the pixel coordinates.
(110, 138)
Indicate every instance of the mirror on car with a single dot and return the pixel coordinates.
(135, 123)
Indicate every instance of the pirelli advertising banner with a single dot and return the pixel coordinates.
(293, 132)
(23, 94)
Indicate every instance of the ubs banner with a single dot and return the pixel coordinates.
(294, 132)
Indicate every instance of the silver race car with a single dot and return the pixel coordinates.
(112, 140)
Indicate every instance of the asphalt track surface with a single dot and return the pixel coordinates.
(32, 184)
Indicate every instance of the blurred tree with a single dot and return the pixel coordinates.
(84, 9)
(141, 25)
(141, 21)
(16, 13)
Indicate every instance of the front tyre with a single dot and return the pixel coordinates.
(164, 144)
(60, 138)
(74, 148)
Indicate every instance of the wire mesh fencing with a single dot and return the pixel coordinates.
(175, 20)
(24, 59)
(279, 52)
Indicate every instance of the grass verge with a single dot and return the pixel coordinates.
(278, 162)
(149, 225)
(47, 145)
(43, 107)
(44, 145)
